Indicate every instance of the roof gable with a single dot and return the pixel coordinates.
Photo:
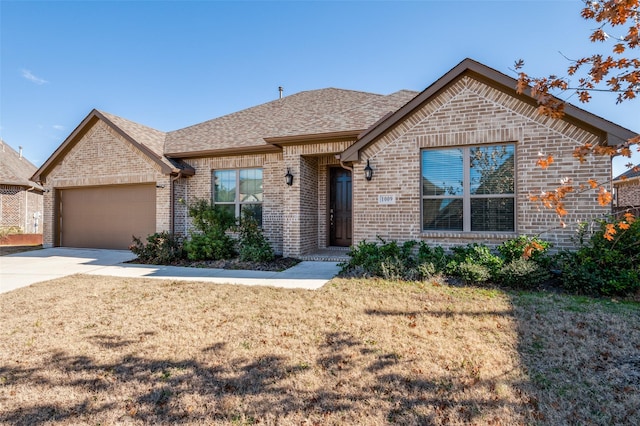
(15, 169)
(147, 140)
(614, 134)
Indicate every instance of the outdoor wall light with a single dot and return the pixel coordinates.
(289, 177)
(368, 171)
(159, 186)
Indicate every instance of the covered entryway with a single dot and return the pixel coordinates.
(340, 208)
(105, 216)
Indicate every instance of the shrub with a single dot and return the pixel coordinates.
(9, 230)
(388, 260)
(433, 256)
(471, 272)
(475, 254)
(161, 248)
(604, 264)
(536, 249)
(523, 273)
(210, 241)
(254, 247)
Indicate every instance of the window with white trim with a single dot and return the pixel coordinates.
(468, 189)
(239, 190)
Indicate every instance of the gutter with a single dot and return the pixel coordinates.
(172, 201)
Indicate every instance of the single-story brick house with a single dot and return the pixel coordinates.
(20, 198)
(627, 189)
(450, 165)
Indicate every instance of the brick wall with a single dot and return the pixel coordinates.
(21, 207)
(11, 206)
(305, 203)
(471, 113)
(199, 186)
(103, 157)
(628, 193)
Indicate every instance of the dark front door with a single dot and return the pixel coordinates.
(340, 208)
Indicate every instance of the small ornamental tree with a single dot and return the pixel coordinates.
(616, 22)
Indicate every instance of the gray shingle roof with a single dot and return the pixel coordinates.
(631, 173)
(309, 112)
(13, 169)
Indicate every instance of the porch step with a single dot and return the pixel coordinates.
(331, 254)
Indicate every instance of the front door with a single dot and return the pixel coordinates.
(340, 201)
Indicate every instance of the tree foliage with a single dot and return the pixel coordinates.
(617, 22)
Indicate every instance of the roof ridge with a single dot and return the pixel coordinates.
(267, 104)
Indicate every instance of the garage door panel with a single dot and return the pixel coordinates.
(106, 217)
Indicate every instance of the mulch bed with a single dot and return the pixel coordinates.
(278, 264)
(4, 250)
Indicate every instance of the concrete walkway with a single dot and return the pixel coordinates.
(23, 269)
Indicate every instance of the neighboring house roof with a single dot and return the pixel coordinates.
(315, 112)
(614, 134)
(14, 168)
(632, 173)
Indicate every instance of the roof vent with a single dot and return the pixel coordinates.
(20, 152)
(280, 89)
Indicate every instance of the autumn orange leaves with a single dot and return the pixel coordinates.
(606, 73)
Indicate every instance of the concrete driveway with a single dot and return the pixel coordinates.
(23, 269)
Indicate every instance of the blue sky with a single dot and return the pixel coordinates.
(170, 64)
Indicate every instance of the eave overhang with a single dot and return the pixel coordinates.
(225, 152)
(314, 138)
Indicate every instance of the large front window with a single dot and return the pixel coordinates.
(239, 190)
(469, 189)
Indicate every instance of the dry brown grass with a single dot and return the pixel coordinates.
(96, 350)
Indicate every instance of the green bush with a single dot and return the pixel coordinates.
(471, 272)
(515, 249)
(253, 246)
(161, 248)
(604, 264)
(523, 273)
(433, 260)
(210, 241)
(390, 260)
(478, 255)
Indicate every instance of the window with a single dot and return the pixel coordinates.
(469, 189)
(239, 190)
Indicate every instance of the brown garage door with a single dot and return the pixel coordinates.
(106, 216)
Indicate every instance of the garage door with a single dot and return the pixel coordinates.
(106, 216)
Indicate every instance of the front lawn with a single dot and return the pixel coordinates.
(102, 350)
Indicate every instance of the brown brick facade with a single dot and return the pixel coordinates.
(21, 207)
(628, 193)
(472, 113)
(104, 157)
(199, 186)
(312, 132)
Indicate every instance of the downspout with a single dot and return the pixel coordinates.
(172, 200)
(26, 205)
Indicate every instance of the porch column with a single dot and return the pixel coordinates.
(300, 221)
